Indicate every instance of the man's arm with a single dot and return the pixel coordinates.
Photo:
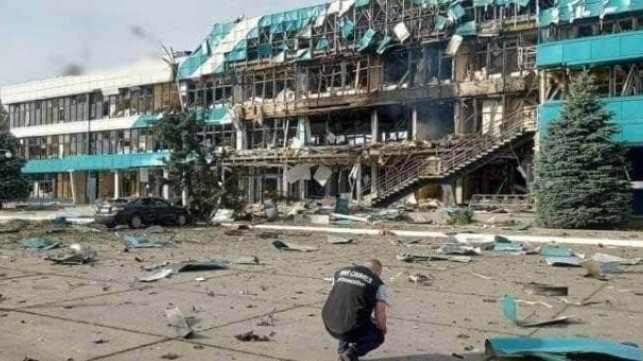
(380, 316)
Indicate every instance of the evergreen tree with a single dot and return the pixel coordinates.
(581, 179)
(192, 165)
(14, 185)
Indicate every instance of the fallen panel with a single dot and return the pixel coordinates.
(178, 322)
(283, 246)
(555, 346)
(157, 275)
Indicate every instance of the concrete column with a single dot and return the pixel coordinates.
(241, 139)
(457, 117)
(166, 187)
(303, 127)
(459, 191)
(117, 183)
(374, 177)
(375, 126)
(302, 189)
(284, 182)
(414, 124)
(358, 184)
(36, 189)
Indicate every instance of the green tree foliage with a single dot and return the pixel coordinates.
(191, 165)
(14, 185)
(581, 179)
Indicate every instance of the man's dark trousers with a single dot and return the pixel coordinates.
(362, 339)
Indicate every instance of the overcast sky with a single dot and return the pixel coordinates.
(40, 38)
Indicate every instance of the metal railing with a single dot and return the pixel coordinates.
(467, 151)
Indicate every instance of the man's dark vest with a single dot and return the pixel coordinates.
(352, 299)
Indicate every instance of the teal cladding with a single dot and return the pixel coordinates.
(591, 51)
(627, 115)
(103, 162)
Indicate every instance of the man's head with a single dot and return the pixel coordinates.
(375, 266)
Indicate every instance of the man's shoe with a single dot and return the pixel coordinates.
(348, 356)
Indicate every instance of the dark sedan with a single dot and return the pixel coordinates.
(139, 212)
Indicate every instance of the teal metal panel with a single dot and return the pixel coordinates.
(145, 121)
(592, 50)
(627, 114)
(95, 163)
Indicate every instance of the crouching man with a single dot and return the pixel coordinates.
(357, 294)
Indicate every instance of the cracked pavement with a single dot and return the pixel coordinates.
(101, 312)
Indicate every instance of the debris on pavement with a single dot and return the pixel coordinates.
(553, 251)
(319, 219)
(332, 239)
(459, 249)
(599, 270)
(77, 255)
(135, 241)
(223, 216)
(250, 336)
(510, 311)
(534, 303)
(156, 266)
(421, 258)
(482, 276)
(419, 278)
(171, 356)
(350, 218)
(559, 348)
(178, 322)
(39, 243)
(283, 246)
(164, 273)
(539, 289)
(155, 229)
(200, 266)
(572, 261)
(419, 218)
(85, 229)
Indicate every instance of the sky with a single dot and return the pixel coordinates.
(41, 38)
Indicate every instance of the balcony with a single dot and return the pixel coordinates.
(595, 50)
(627, 114)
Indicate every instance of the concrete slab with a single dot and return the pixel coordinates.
(45, 338)
(185, 351)
(144, 310)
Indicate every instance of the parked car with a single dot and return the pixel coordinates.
(139, 212)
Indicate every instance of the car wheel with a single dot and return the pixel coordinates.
(182, 220)
(136, 222)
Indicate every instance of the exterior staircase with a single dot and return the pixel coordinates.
(467, 155)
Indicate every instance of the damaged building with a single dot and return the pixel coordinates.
(373, 100)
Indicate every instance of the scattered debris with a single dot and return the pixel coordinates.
(539, 289)
(251, 337)
(78, 255)
(200, 279)
(419, 218)
(554, 251)
(319, 218)
(534, 303)
(39, 243)
(200, 266)
(283, 246)
(170, 356)
(558, 348)
(459, 249)
(420, 278)
(269, 235)
(599, 270)
(85, 229)
(164, 273)
(409, 240)
(134, 241)
(223, 216)
(421, 258)
(100, 341)
(267, 320)
(155, 229)
(332, 239)
(178, 322)
(510, 311)
(482, 276)
(350, 218)
(458, 216)
(564, 261)
(156, 266)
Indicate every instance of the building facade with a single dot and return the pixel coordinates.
(371, 99)
(88, 137)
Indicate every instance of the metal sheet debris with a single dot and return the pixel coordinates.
(164, 273)
(540, 289)
(39, 243)
(77, 255)
(551, 347)
(283, 246)
(459, 249)
(553, 251)
(134, 241)
(178, 322)
(564, 261)
(510, 311)
(200, 266)
(422, 258)
(332, 239)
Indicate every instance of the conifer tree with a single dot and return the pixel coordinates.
(581, 175)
